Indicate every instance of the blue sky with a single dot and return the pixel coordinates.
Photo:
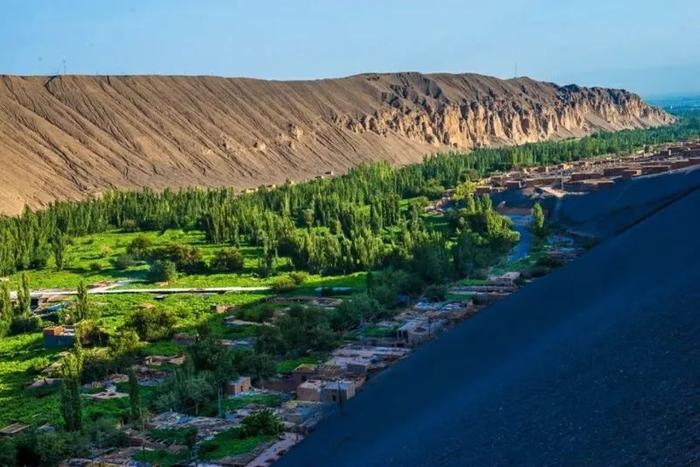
(649, 46)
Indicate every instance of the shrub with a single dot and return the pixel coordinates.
(267, 311)
(139, 247)
(299, 277)
(550, 262)
(283, 284)
(151, 324)
(227, 260)
(123, 261)
(95, 266)
(45, 449)
(38, 262)
(162, 271)
(104, 433)
(38, 365)
(97, 364)
(360, 307)
(92, 334)
(129, 225)
(306, 329)
(22, 324)
(187, 258)
(432, 189)
(186, 391)
(436, 293)
(263, 423)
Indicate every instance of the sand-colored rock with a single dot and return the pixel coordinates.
(69, 136)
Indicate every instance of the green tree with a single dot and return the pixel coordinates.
(435, 293)
(227, 260)
(124, 348)
(209, 355)
(139, 247)
(269, 340)
(59, 242)
(24, 297)
(70, 404)
(82, 304)
(257, 365)
(262, 423)
(538, 222)
(123, 261)
(308, 217)
(356, 310)
(134, 397)
(5, 303)
(186, 391)
(151, 324)
(304, 329)
(162, 271)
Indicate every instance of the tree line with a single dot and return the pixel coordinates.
(323, 225)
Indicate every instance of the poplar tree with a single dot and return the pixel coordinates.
(5, 308)
(24, 297)
(5, 302)
(134, 397)
(58, 245)
(70, 404)
(82, 305)
(538, 225)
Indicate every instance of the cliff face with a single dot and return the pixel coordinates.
(69, 136)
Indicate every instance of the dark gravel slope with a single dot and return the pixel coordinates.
(596, 364)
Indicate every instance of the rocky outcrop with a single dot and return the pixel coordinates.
(420, 110)
(70, 136)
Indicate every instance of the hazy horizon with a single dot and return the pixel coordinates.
(654, 50)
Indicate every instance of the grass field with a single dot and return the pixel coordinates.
(23, 356)
(230, 443)
(90, 259)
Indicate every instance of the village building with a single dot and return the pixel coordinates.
(621, 171)
(158, 360)
(238, 385)
(304, 372)
(587, 185)
(337, 391)
(13, 429)
(59, 336)
(584, 176)
(507, 278)
(310, 391)
(649, 169)
(419, 330)
(302, 415)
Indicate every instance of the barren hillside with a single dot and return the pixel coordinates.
(68, 136)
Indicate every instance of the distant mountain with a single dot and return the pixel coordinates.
(677, 102)
(65, 137)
